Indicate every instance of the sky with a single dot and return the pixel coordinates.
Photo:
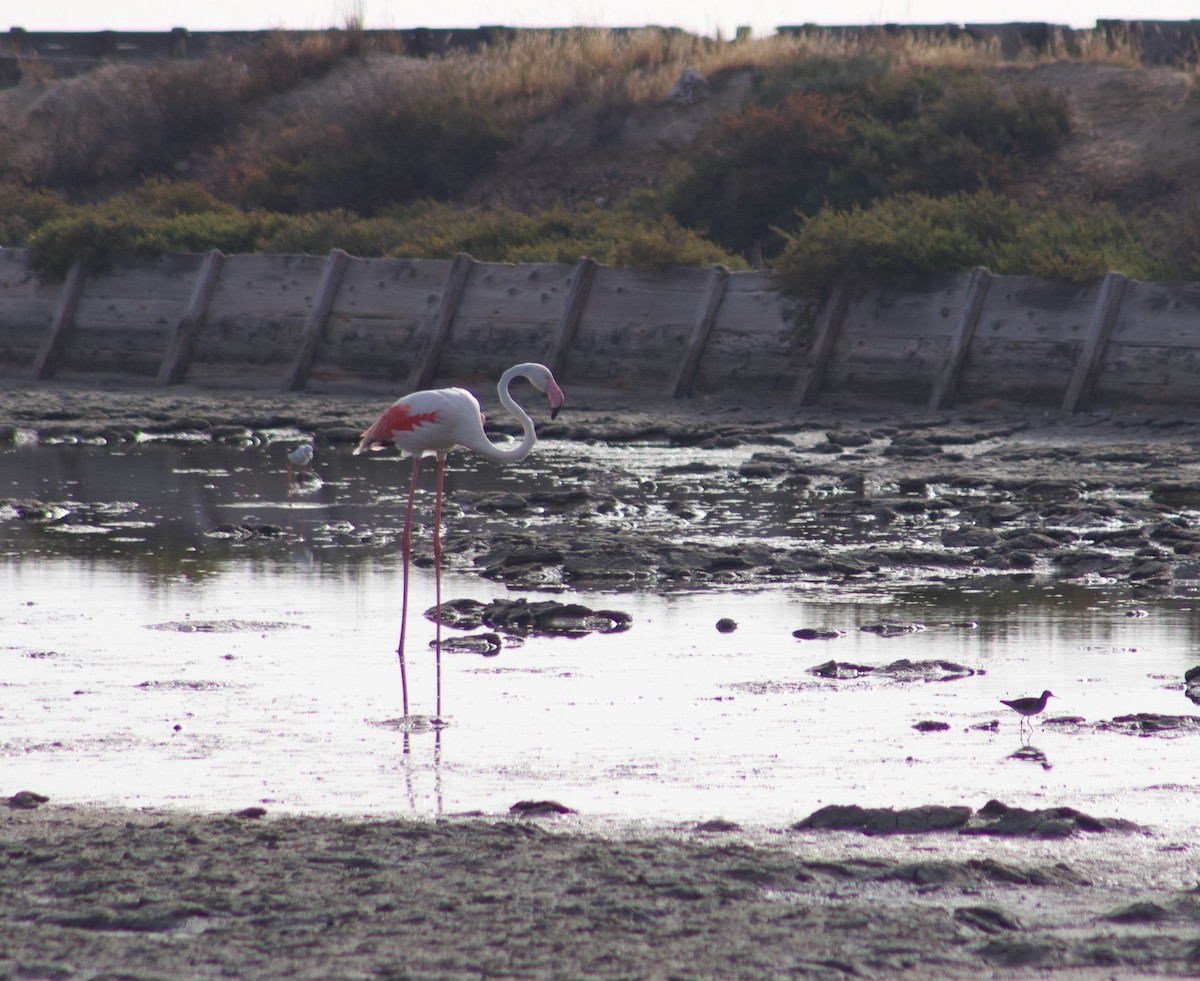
(708, 17)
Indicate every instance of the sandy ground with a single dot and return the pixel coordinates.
(100, 894)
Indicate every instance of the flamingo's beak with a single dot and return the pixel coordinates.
(555, 395)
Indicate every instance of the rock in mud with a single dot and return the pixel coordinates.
(902, 670)
(520, 617)
(933, 670)
(1191, 681)
(1148, 723)
(892, 629)
(536, 807)
(995, 818)
(726, 625)
(885, 820)
(932, 725)
(989, 919)
(840, 670)
(813, 633)
(488, 644)
(248, 532)
(26, 800)
(1176, 495)
(718, 826)
(1139, 912)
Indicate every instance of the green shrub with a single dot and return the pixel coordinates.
(378, 155)
(23, 211)
(760, 167)
(318, 233)
(618, 237)
(915, 233)
(937, 131)
(95, 236)
(958, 132)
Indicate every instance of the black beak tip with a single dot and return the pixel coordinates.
(555, 411)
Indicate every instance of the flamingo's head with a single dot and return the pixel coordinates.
(555, 395)
(543, 380)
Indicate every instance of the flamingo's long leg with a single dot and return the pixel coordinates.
(437, 576)
(406, 551)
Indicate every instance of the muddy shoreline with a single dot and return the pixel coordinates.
(109, 894)
(881, 498)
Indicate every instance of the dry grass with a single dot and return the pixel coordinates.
(536, 73)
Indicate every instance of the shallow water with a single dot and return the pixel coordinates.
(147, 662)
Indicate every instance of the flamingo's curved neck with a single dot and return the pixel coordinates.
(489, 450)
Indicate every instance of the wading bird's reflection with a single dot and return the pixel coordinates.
(1031, 754)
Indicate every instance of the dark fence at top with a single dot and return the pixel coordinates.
(1160, 42)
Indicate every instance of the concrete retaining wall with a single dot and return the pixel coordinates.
(287, 321)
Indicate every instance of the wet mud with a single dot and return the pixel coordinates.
(839, 501)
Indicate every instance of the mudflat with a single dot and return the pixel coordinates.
(1105, 500)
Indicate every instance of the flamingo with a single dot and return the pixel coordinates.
(436, 422)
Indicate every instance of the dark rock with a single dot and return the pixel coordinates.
(1176, 494)
(1053, 490)
(726, 626)
(535, 807)
(929, 725)
(937, 669)
(813, 633)
(1028, 541)
(884, 820)
(892, 629)
(251, 813)
(247, 532)
(340, 434)
(519, 616)
(1008, 953)
(995, 818)
(1191, 680)
(26, 800)
(1139, 912)
(840, 669)
(718, 826)
(848, 438)
(1151, 722)
(504, 501)
(970, 537)
(911, 446)
(488, 644)
(989, 919)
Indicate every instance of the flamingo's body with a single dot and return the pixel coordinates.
(436, 422)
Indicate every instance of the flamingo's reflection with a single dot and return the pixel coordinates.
(418, 758)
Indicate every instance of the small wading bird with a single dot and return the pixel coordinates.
(437, 422)
(300, 457)
(1028, 706)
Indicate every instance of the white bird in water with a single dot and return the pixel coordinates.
(301, 457)
(436, 422)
